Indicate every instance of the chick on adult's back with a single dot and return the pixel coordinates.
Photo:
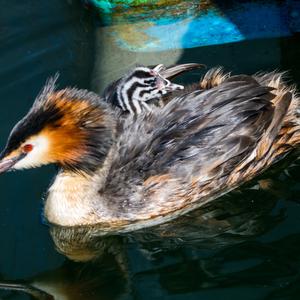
(159, 164)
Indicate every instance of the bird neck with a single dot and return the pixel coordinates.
(71, 197)
(95, 129)
(92, 159)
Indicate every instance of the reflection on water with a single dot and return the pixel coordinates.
(229, 220)
(106, 279)
(244, 245)
(214, 247)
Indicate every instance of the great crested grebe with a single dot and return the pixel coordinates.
(157, 165)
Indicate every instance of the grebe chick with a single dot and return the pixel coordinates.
(157, 165)
(133, 91)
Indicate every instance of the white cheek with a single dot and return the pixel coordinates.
(36, 157)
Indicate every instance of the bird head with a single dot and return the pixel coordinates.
(145, 83)
(69, 127)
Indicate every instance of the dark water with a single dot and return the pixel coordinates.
(247, 245)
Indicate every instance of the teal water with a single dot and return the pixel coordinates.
(246, 245)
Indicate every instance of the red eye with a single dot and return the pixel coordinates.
(27, 148)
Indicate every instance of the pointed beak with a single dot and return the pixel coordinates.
(176, 70)
(166, 85)
(7, 164)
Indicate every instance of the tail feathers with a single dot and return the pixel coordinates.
(277, 81)
(273, 79)
(213, 78)
(282, 134)
(282, 103)
(287, 136)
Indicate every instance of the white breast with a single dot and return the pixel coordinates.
(69, 200)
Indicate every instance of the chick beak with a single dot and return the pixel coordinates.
(7, 164)
(166, 85)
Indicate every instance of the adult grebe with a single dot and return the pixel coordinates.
(151, 167)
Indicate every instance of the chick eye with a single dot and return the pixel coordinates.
(27, 148)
